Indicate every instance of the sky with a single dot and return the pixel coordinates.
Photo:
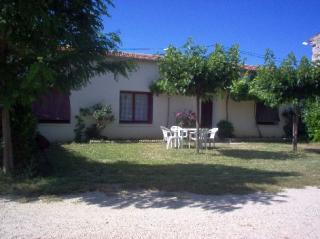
(281, 25)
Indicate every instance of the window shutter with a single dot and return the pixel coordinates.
(266, 115)
(53, 107)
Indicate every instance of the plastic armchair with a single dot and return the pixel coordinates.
(169, 137)
(212, 133)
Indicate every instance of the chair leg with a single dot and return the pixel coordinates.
(168, 142)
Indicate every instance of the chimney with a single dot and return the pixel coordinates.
(315, 43)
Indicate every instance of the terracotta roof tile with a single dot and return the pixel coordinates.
(250, 67)
(137, 56)
(154, 57)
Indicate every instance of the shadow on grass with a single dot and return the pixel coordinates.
(150, 185)
(250, 154)
(313, 150)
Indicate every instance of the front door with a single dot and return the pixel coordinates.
(206, 114)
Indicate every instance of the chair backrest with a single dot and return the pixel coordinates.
(203, 134)
(181, 132)
(213, 132)
(165, 132)
(175, 128)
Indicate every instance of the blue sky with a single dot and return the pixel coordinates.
(255, 25)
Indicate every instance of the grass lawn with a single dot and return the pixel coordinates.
(235, 168)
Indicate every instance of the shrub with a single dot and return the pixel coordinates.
(186, 119)
(225, 129)
(311, 116)
(101, 114)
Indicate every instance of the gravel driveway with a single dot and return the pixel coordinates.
(294, 213)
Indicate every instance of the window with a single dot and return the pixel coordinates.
(266, 115)
(54, 107)
(135, 107)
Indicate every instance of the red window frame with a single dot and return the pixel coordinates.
(150, 108)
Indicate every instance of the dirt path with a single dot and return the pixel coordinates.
(294, 213)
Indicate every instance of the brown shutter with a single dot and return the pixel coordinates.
(266, 115)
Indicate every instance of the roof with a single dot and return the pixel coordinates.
(154, 57)
(250, 67)
(136, 56)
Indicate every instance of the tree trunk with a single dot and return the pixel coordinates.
(295, 122)
(7, 143)
(227, 105)
(197, 122)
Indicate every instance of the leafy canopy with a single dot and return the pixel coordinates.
(191, 71)
(289, 83)
(55, 43)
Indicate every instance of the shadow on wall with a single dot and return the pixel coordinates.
(154, 186)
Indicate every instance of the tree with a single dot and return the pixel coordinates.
(290, 83)
(50, 44)
(191, 71)
(233, 68)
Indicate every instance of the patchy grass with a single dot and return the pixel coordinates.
(235, 168)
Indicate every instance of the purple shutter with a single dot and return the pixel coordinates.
(53, 107)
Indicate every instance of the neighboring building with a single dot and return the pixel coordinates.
(315, 42)
(139, 114)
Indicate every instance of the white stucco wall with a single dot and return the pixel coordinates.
(107, 90)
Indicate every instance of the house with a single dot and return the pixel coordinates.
(139, 114)
(315, 43)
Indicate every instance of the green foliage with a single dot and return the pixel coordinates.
(311, 116)
(53, 43)
(225, 129)
(289, 83)
(189, 71)
(102, 116)
(240, 89)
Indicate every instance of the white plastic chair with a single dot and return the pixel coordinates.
(180, 132)
(169, 136)
(212, 133)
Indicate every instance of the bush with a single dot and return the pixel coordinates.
(225, 129)
(101, 114)
(92, 132)
(287, 128)
(311, 116)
